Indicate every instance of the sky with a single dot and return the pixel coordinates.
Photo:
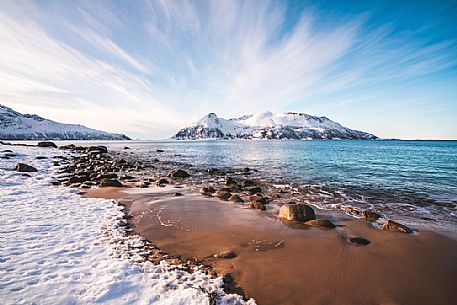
(149, 68)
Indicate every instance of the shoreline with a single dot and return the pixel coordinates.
(292, 264)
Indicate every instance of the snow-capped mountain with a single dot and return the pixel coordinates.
(17, 126)
(268, 125)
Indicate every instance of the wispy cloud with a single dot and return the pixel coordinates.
(147, 68)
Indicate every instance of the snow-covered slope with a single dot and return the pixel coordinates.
(17, 126)
(268, 125)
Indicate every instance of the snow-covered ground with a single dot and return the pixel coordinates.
(59, 248)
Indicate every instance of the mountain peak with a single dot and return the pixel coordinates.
(269, 125)
(18, 126)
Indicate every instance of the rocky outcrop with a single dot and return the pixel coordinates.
(391, 225)
(296, 212)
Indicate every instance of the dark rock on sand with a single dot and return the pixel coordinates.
(391, 225)
(47, 144)
(41, 157)
(178, 194)
(359, 241)
(21, 167)
(223, 195)
(160, 150)
(207, 191)
(257, 205)
(296, 212)
(230, 181)
(370, 215)
(126, 147)
(254, 190)
(111, 182)
(78, 179)
(323, 223)
(162, 181)
(258, 198)
(225, 254)
(178, 174)
(235, 198)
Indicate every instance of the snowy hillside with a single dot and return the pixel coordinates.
(268, 125)
(17, 126)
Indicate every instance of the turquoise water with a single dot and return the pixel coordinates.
(411, 177)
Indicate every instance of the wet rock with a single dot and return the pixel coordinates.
(212, 171)
(55, 163)
(254, 190)
(296, 212)
(235, 198)
(247, 183)
(258, 198)
(391, 225)
(178, 194)
(162, 181)
(41, 158)
(111, 182)
(257, 205)
(370, 215)
(55, 182)
(222, 195)
(78, 179)
(99, 148)
(126, 147)
(47, 144)
(178, 174)
(230, 181)
(359, 241)
(323, 223)
(207, 191)
(160, 150)
(22, 167)
(25, 175)
(235, 188)
(225, 254)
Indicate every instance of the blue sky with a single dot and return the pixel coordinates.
(148, 68)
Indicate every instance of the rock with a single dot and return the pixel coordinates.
(391, 225)
(26, 175)
(257, 205)
(359, 241)
(41, 157)
(78, 179)
(160, 150)
(225, 254)
(162, 181)
(370, 215)
(21, 167)
(178, 174)
(126, 147)
(323, 223)
(258, 198)
(99, 148)
(178, 194)
(207, 191)
(47, 144)
(296, 212)
(235, 198)
(111, 182)
(230, 181)
(254, 190)
(222, 195)
(55, 163)
(212, 170)
(247, 183)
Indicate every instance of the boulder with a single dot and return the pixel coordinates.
(359, 241)
(111, 182)
(323, 223)
(258, 198)
(254, 190)
(235, 198)
(370, 215)
(225, 254)
(162, 181)
(178, 174)
(391, 225)
(257, 205)
(207, 191)
(21, 167)
(222, 195)
(296, 212)
(230, 181)
(47, 144)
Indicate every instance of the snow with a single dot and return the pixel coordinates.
(59, 248)
(14, 125)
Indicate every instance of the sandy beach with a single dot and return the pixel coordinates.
(289, 263)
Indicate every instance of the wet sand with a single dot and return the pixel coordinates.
(294, 264)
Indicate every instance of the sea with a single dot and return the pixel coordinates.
(411, 180)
